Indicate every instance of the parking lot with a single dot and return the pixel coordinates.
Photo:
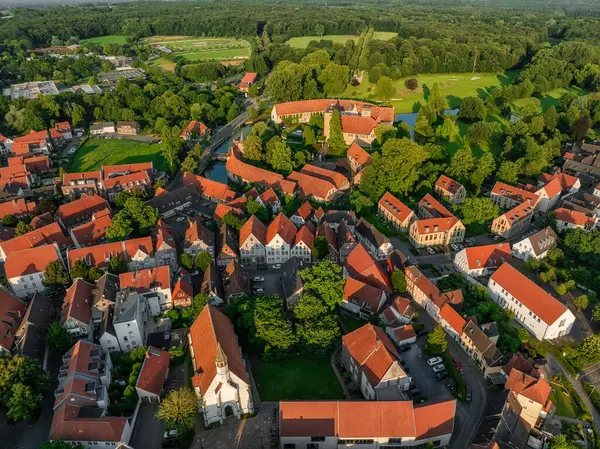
(422, 374)
(271, 284)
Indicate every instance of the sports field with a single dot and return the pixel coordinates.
(454, 85)
(98, 152)
(195, 49)
(302, 41)
(101, 40)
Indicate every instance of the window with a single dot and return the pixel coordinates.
(317, 439)
(312, 446)
(289, 446)
(562, 323)
(125, 339)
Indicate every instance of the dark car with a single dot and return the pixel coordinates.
(440, 375)
(469, 394)
(404, 348)
(422, 332)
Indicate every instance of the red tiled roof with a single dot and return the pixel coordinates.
(333, 177)
(404, 333)
(534, 297)
(434, 207)
(573, 216)
(29, 261)
(68, 177)
(538, 390)
(329, 234)
(146, 279)
(254, 227)
(78, 302)
(285, 186)
(13, 171)
(11, 313)
(249, 78)
(309, 186)
(164, 234)
(396, 207)
(46, 235)
(372, 350)
(434, 225)
(355, 124)
(109, 170)
(434, 420)
(518, 213)
(16, 207)
(362, 266)
(357, 153)
(305, 211)
(99, 256)
(448, 184)
(304, 235)
(402, 305)
(223, 209)
(488, 256)
(566, 181)
(182, 287)
(268, 197)
(154, 370)
(553, 188)
(197, 231)
(454, 320)
(283, 227)
(62, 127)
(81, 208)
(368, 294)
(33, 136)
(68, 426)
(514, 193)
(519, 362)
(249, 173)
(210, 329)
(209, 187)
(127, 181)
(379, 113)
(197, 126)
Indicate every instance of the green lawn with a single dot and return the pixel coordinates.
(217, 54)
(565, 406)
(98, 152)
(297, 378)
(198, 48)
(303, 41)
(548, 100)
(112, 39)
(455, 86)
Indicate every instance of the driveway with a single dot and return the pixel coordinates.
(272, 283)
(149, 430)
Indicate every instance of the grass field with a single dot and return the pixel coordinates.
(303, 41)
(98, 152)
(297, 378)
(565, 406)
(454, 85)
(112, 39)
(548, 100)
(196, 49)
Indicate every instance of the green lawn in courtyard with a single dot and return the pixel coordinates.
(297, 378)
(111, 39)
(455, 86)
(95, 153)
(565, 406)
(303, 41)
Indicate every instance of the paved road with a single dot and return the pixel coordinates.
(576, 383)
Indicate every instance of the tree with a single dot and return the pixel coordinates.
(9, 220)
(22, 384)
(556, 256)
(60, 444)
(178, 410)
(143, 215)
(23, 402)
(336, 144)
(77, 114)
(581, 302)
(203, 260)
(478, 210)
(186, 261)
(79, 270)
(412, 84)
(509, 171)
(385, 88)
(270, 323)
(334, 78)
(189, 315)
(120, 227)
(399, 281)
(436, 341)
(561, 442)
(189, 164)
(231, 219)
(436, 100)
(485, 167)
(472, 109)
(448, 130)
(384, 132)
(320, 29)
(320, 248)
(253, 207)
(55, 274)
(170, 149)
(561, 289)
(22, 228)
(325, 281)
(596, 313)
(462, 164)
(279, 155)
(59, 338)
(117, 265)
(253, 148)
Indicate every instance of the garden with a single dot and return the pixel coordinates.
(95, 153)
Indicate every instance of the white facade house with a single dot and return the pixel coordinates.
(220, 379)
(479, 261)
(129, 320)
(535, 246)
(535, 309)
(376, 243)
(165, 249)
(303, 243)
(25, 269)
(76, 313)
(252, 241)
(280, 237)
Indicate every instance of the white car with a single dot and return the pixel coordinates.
(277, 266)
(430, 251)
(454, 247)
(194, 273)
(438, 368)
(180, 219)
(258, 279)
(258, 291)
(434, 361)
(72, 150)
(170, 434)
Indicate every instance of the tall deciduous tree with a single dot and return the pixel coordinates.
(436, 341)
(335, 142)
(253, 148)
(334, 78)
(478, 210)
(55, 274)
(385, 88)
(325, 281)
(399, 281)
(203, 260)
(59, 338)
(270, 324)
(179, 410)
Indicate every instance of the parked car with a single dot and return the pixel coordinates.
(277, 266)
(450, 386)
(422, 333)
(262, 266)
(458, 365)
(440, 375)
(258, 279)
(469, 394)
(438, 368)
(194, 273)
(430, 251)
(434, 361)
(179, 219)
(258, 291)
(170, 434)
(404, 348)
(453, 246)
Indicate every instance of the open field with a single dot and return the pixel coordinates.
(303, 41)
(565, 406)
(98, 152)
(112, 39)
(454, 85)
(195, 49)
(297, 378)
(549, 99)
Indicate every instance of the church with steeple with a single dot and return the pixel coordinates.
(220, 380)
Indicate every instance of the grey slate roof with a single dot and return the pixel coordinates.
(543, 240)
(168, 201)
(31, 334)
(370, 233)
(290, 277)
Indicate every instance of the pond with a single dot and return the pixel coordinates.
(216, 171)
(224, 147)
(411, 119)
